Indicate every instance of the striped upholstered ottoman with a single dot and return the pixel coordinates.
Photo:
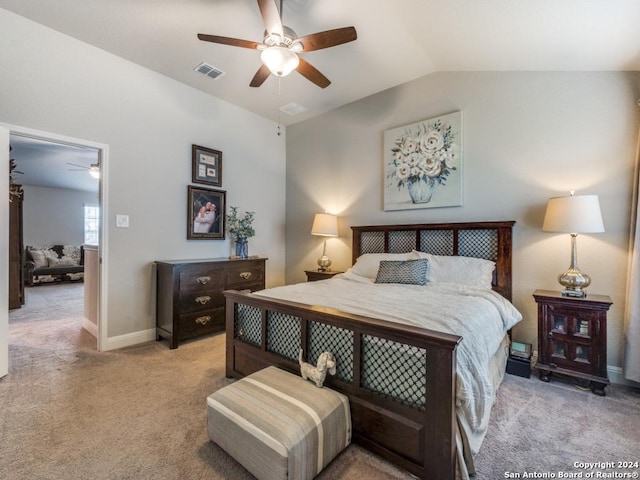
(279, 426)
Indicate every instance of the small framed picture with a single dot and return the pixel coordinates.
(206, 166)
(206, 213)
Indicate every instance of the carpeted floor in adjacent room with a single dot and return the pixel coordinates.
(70, 412)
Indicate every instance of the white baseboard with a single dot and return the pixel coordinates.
(90, 327)
(615, 374)
(130, 339)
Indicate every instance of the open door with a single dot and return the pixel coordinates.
(4, 249)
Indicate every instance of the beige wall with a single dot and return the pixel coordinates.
(54, 216)
(526, 137)
(53, 83)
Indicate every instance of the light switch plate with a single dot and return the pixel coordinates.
(122, 221)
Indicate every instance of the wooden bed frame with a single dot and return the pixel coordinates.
(407, 417)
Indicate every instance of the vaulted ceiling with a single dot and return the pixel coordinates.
(398, 41)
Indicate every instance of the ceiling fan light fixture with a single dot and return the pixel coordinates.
(94, 171)
(279, 60)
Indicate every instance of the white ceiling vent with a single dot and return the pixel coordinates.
(209, 70)
(293, 108)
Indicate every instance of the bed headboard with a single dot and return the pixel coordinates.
(488, 240)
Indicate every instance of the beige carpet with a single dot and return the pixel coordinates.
(69, 412)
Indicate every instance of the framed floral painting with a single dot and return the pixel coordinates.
(423, 164)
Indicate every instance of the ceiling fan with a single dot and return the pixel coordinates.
(281, 46)
(94, 169)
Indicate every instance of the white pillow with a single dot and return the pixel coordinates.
(476, 272)
(367, 265)
(39, 258)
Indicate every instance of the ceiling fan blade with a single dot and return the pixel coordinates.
(261, 75)
(328, 38)
(234, 42)
(270, 16)
(312, 74)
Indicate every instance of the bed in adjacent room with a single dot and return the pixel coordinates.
(419, 329)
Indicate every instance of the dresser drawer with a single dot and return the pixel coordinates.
(200, 323)
(244, 275)
(192, 301)
(201, 278)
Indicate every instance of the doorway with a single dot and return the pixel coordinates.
(63, 167)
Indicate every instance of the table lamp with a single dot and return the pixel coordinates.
(573, 214)
(324, 225)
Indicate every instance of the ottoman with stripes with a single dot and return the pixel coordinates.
(279, 426)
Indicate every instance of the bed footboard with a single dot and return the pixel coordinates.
(400, 380)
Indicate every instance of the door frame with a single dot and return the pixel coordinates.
(103, 155)
(4, 252)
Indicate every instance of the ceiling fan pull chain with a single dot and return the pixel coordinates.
(279, 111)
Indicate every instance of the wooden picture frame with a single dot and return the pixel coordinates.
(206, 166)
(206, 213)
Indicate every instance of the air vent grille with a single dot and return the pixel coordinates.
(293, 108)
(209, 70)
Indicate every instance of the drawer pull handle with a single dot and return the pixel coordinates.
(245, 275)
(203, 320)
(203, 280)
(203, 300)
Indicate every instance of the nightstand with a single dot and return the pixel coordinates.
(572, 337)
(314, 275)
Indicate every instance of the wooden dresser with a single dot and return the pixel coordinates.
(189, 297)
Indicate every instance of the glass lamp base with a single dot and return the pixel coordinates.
(573, 281)
(324, 263)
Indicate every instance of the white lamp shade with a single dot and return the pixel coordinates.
(325, 224)
(279, 60)
(573, 214)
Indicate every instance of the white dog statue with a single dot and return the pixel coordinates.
(326, 363)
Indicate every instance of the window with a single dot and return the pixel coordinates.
(91, 224)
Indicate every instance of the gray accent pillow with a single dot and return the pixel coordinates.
(408, 272)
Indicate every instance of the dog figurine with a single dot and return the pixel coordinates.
(317, 374)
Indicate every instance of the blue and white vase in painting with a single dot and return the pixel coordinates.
(420, 191)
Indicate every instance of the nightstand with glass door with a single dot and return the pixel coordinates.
(572, 337)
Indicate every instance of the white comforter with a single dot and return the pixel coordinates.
(480, 316)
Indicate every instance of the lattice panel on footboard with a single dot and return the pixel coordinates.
(247, 325)
(339, 341)
(394, 370)
(283, 335)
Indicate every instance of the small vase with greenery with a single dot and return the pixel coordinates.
(241, 227)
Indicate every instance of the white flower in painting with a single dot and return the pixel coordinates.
(453, 156)
(403, 171)
(409, 146)
(413, 159)
(432, 141)
(431, 166)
